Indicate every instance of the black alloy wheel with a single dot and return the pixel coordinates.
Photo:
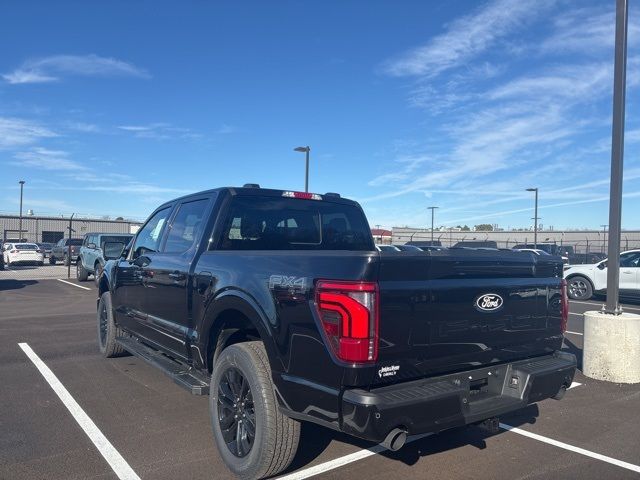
(236, 412)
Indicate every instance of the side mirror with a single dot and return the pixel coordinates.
(602, 265)
(111, 250)
(142, 261)
(91, 245)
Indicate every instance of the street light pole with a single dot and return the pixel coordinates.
(306, 150)
(604, 238)
(535, 218)
(433, 209)
(21, 182)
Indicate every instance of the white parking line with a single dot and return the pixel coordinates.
(74, 284)
(355, 456)
(624, 307)
(574, 333)
(571, 448)
(578, 314)
(110, 454)
(342, 461)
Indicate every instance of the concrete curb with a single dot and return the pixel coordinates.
(612, 347)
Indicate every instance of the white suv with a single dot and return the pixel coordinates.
(585, 280)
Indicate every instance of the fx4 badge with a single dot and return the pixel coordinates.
(289, 283)
(489, 302)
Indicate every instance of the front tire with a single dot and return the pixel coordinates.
(254, 438)
(66, 261)
(579, 288)
(107, 329)
(81, 272)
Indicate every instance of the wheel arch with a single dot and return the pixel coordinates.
(234, 317)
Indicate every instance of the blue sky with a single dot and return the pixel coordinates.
(110, 109)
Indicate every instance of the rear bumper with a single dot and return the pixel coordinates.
(439, 403)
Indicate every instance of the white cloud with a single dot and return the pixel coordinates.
(53, 68)
(160, 131)
(45, 159)
(467, 37)
(83, 127)
(16, 132)
(587, 31)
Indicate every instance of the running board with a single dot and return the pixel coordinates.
(183, 375)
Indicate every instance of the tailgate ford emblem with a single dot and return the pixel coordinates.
(489, 302)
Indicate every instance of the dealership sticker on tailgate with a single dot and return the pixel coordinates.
(388, 371)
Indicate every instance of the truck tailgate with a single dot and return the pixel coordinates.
(460, 309)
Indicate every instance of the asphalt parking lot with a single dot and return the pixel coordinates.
(160, 431)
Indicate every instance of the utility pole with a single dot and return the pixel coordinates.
(535, 218)
(306, 151)
(604, 238)
(433, 209)
(21, 182)
(69, 246)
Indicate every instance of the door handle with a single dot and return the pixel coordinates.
(176, 276)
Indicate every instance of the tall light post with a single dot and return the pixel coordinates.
(604, 238)
(306, 151)
(21, 182)
(535, 218)
(433, 209)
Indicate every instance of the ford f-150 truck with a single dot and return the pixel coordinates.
(277, 305)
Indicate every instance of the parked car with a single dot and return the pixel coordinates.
(90, 258)
(387, 248)
(22, 253)
(585, 258)
(539, 251)
(45, 247)
(476, 244)
(60, 251)
(550, 248)
(424, 243)
(586, 280)
(277, 304)
(408, 248)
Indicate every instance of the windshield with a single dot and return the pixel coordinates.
(26, 246)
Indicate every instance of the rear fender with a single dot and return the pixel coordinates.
(247, 306)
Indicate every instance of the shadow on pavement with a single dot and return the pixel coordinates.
(15, 284)
(573, 348)
(317, 439)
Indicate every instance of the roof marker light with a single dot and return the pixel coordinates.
(302, 195)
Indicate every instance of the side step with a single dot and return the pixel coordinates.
(183, 375)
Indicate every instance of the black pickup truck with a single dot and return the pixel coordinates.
(277, 305)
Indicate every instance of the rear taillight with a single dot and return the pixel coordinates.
(349, 315)
(565, 305)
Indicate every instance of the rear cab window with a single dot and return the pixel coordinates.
(273, 223)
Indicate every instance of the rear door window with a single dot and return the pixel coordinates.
(186, 226)
(268, 223)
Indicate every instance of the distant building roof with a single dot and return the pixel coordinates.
(379, 232)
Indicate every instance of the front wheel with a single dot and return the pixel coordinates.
(108, 331)
(81, 272)
(66, 261)
(97, 271)
(579, 288)
(254, 438)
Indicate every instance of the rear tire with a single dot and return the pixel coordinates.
(108, 331)
(579, 288)
(66, 261)
(81, 272)
(275, 438)
(97, 271)
(52, 260)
